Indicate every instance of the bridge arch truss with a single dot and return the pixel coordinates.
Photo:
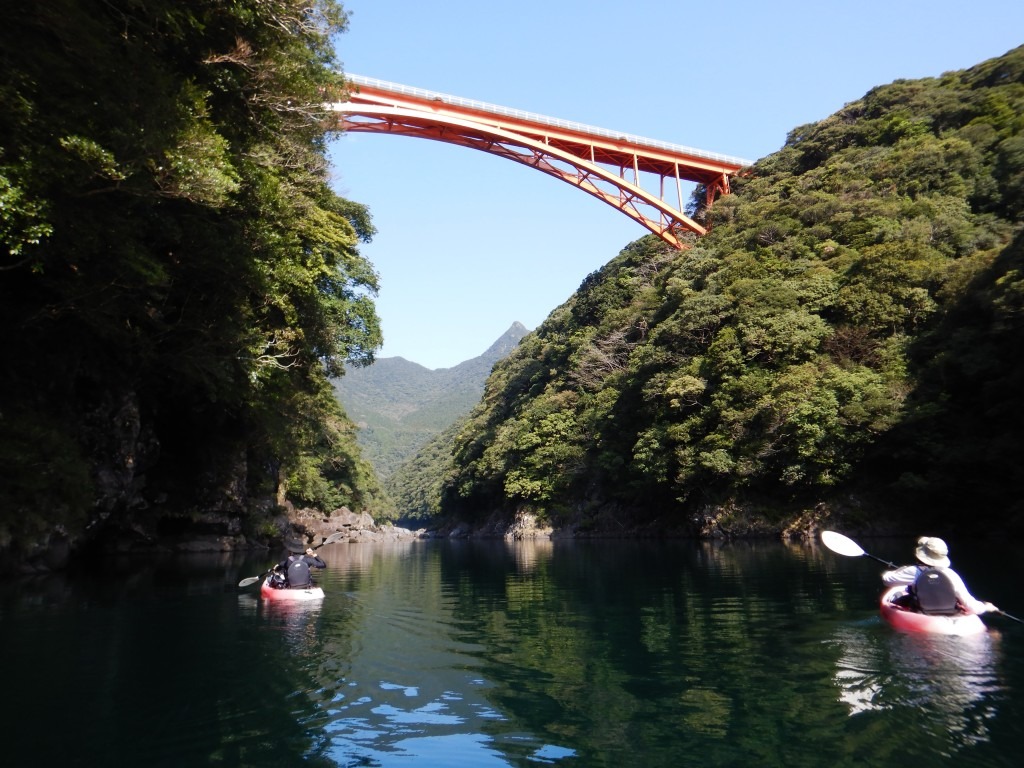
(605, 164)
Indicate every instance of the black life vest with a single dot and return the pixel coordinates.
(935, 593)
(298, 571)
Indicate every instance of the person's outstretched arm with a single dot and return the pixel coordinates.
(313, 559)
(970, 603)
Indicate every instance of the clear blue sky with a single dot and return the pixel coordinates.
(468, 243)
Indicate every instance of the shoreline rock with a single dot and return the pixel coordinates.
(312, 526)
(223, 531)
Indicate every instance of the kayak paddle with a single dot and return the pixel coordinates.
(332, 539)
(843, 545)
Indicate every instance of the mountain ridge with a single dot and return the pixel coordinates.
(399, 405)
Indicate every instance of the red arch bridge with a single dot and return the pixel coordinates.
(606, 164)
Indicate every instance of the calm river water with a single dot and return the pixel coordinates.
(490, 654)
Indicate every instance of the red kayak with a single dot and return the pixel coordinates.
(907, 620)
(290, 594)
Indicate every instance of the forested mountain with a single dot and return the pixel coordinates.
(408, 418)
(399, 405)
(848, 337)
(417, 484)
(177, 279)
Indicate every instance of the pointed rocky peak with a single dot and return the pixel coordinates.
(506, 342)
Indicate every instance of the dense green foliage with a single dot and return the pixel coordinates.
(416, 485)
(853, 322)
(177, 279)
(402, 407)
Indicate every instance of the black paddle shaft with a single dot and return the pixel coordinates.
(880, 560)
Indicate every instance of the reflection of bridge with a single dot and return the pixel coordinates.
(606, 164)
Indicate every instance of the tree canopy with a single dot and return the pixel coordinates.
(177, 279)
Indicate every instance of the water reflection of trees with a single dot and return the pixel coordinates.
(156, 661)
(410, 691)
(739, 652)
(609, 650)
(622, 648)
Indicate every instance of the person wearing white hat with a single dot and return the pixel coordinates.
(934, 587)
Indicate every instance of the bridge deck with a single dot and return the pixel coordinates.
(615, 148)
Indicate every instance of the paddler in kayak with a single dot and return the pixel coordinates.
(293, 572)
(933, 587)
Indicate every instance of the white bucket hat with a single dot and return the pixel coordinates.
(933, 551)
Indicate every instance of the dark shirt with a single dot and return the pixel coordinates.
(296, 568)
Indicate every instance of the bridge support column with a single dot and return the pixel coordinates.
(715, 189)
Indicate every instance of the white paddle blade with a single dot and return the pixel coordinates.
(840, 544)
(334, 538)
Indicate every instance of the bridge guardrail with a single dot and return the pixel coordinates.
(554, 122)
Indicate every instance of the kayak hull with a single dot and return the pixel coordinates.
(906, 620)
(290, 595)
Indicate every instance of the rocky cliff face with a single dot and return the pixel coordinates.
(137, 501)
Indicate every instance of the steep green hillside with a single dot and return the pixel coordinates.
(178, 279)
(399, 405)
(416, 485)
(850, 329)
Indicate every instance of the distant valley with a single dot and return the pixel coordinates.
(399, 405)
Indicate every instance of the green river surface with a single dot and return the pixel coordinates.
(470, 653)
